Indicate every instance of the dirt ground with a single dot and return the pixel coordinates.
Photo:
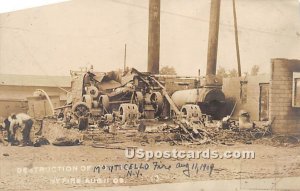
(52, 167)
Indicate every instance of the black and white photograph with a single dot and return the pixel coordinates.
(138, 95)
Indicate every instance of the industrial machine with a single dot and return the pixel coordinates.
(129, 96)
(113, 96)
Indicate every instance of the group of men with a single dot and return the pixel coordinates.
(14, 122)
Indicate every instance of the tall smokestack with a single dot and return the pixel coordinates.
(212, 51)
(154, 36)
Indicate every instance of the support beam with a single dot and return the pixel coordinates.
(125, 54)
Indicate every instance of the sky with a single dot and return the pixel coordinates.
(14, 5)
(57, 38)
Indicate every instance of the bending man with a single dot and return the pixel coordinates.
(25, 122)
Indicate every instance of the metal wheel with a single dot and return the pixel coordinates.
(157, 102)
(81, 109)
(104, 103)
(138, 100)
(93, 91)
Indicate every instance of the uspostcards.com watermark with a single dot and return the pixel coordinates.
(139, 153)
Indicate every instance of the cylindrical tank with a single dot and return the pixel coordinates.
(210, 100)
(183, 97)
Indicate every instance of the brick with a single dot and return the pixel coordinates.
(283, 100)
(281, 70)
(284, 82)
(285, 87)
(275, 104)
(279, 77)
(284, 113)
(282, 73)
(276, 90)
(289, 95)
(280, 86)
(275, 108)
(286, 119)
(280, 94)
(278, 72)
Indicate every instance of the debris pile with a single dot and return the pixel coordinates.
(181, 130)
(212, 133)
(54, 130)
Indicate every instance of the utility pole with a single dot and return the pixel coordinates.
(236, 39)
(154, 36)
(212, 51)
(125, 59)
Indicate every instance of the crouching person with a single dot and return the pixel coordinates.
(2, 134)
(11, 131)
(25, 122)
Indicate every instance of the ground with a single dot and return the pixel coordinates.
(269, 162)
(72, 167)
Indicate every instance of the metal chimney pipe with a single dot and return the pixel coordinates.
(212, 50)
(154, 36)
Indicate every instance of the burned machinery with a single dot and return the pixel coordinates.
(208, 96)
(132, 95)
(113, 96)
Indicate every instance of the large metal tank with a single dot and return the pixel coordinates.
(210, 100)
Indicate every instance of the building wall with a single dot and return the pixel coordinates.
(253, 94)
(176, 84)
(8, 106)
(22, 92)
(13, 99)
(286, 119)
(39, 107)
(232, 90)
(231, 87)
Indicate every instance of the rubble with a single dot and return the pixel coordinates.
(53, 129)
(179, 131)
(41, 141)
(191, 127)
(107, 146)
(64, 141)
(201, 134)
(285, 140)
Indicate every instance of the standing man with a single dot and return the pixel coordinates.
(25, 122)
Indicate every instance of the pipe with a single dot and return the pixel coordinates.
(48, 98)
(175, 76)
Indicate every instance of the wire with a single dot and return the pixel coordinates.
(164, 12)
(203, 20)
